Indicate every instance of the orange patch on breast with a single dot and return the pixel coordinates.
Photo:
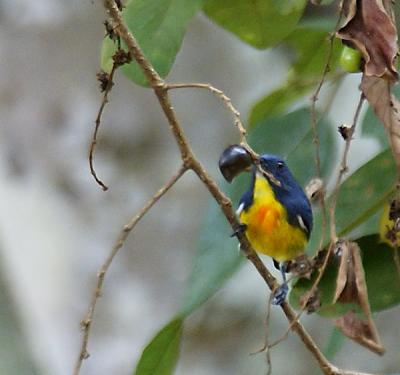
(260, 214)
(267, 218)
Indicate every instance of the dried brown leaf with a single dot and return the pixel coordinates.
(346, 287)
(359, 331)
(311, 302)
(387, 109)
(369, 27)
(352, 287)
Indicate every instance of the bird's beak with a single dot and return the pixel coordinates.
(233, 161)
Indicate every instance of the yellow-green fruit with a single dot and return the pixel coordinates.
(350, 60)
(385, 225)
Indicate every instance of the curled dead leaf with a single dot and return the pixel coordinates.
(370, 28)
(360, 331)
(311, 302)
(346, 287)
(351, 287)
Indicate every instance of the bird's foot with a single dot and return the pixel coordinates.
(280, 294)
(240, 230)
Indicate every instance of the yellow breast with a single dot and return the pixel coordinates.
(268, 230)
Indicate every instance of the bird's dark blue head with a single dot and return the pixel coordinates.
(280, 172)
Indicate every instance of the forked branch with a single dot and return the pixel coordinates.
(190, 162)
(86, 323)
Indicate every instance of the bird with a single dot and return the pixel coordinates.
(274, 213)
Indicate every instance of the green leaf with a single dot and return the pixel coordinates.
(361, 195)
(278, 101)
(161, 354)
(383, 282)
(372, 127)
(310, 45)
(260, 23)
(159, 27)
(334, 344)
(218, 257)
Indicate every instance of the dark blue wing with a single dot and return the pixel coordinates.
(299, 212)
(247, 198)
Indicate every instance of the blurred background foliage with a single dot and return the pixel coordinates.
(268, 56)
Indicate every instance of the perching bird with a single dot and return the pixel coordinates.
(275, 213)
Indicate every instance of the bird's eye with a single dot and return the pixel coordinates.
(280, 164)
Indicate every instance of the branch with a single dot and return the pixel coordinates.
(161, 91)
(86, 323)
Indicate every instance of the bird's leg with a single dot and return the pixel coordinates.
(281, 293)
(240, 230)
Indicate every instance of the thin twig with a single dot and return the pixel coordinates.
(267, 324)
(93, 143)
(228, 104)
(86, 323)
(314, 98)
(221, 95)
(321, 196)
(313, 109)
(316, 140)
(160, 89)
(322, 269)
(343, 170)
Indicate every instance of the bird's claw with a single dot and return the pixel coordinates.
(280, 294)
(240, 230)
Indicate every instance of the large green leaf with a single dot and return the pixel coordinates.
(334, 344)
(217, 257)
(360, 197)
(260, 23)
(161, 354)
(381, 275)
(371, 126)
(279, 100)
(159, 26)
(310, 45)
